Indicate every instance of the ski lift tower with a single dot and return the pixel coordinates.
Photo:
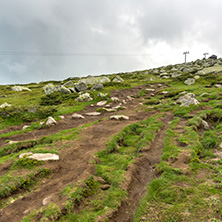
(185, 53)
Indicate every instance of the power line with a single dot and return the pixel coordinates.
(61, 54)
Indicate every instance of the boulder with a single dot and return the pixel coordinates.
(84, 98)
(69, 84)
(50, 121)
(210, 70)
(20, 88)
(44, 156)
(214, 57)
(81, 87)
(49, 88)
(187, 100)
(63, 89)
(5, 105)
(97, 86)
(175, 74)
(117, 79)
(189, 81)
(95, 80)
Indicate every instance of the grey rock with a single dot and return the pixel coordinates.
(97, 86)
(188, 99)
(189, 81)
(84, 98)
(63, 89)
(69, 84)
(175, 74)
(205, 124)
(20, 88)
(49, 88)
(81, 87)
(117, 79)
(210, 70)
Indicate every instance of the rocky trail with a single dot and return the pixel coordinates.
(75, 160)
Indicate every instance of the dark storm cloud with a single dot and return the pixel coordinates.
(153, 27)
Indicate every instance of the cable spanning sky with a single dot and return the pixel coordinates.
(54, 40)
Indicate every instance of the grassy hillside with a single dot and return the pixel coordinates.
(163, 164)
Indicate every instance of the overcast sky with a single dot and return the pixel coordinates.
(54, 39)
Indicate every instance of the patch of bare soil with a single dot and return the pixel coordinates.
(140, 174)
(75, 158)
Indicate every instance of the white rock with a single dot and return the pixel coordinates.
(25, 127)
(44, 156)
(129, 98)
(20, 88)
(150, 90)
(124, 101)
(77, 116)
(62, 117)
(25, 154)
(47, 200)
(5, 105)
(115, 99)
(11, 142)
(101, 103)
(164, 92)
(93, 114)
(50, 121)
(119, 117)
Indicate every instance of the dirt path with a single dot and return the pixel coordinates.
(74, 164)
(140, 174)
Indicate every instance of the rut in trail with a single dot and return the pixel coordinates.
(141, 173)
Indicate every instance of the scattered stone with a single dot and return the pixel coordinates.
(50, 121)
(5, 105)
(25, 155)
(11, 142)
(69, 84)
(81, 87)
(196, 77)
(84, 98)
(62, 117)
(47, 200)
(175, 74)
(105, 187)
(124, 101)
(93, 114)
(44, 156)
(218, 85)
(119, 117)
(115, 99)
(210, 70)
(102, 94)
(129, 98)
(101, 103)
(164, 92)
(189, 81)
(20, 88)
(62, 89)
(49, 88)
(109, 109)
(107, 106)
(95, 80)
(205, 125)
(92, 105)
(77, 116)
(97, 86)
(187, 100)
(150, 90)
(117, 79)
(25, 127)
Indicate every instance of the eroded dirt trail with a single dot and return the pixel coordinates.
(141, 173)
(75, 162)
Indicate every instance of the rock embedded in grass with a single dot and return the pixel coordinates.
(93, 114)
(50, 121)
(119, 117)
(77, 116)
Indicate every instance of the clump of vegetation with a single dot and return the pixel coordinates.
(26, 162)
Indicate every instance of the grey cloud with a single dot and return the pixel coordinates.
(101, 26)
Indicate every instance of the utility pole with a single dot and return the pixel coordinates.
(205, 54)
(185, 53)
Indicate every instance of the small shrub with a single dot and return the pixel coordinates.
(209, 140)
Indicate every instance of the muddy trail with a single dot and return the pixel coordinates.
(69, 123)
(141, 173)
(75, 160)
